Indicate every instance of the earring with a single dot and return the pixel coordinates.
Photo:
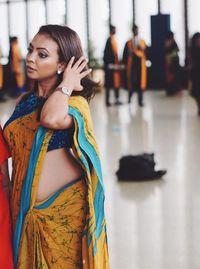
(59, 72)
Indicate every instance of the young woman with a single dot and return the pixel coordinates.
(58, 196)
(6, 260)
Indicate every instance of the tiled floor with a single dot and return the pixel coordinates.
(151, 225)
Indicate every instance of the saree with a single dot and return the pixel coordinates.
(74, 215)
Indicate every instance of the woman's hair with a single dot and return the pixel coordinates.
(69, 45)
(169, 35)
(194, 39)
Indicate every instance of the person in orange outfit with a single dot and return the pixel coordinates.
(134, 58)
(6, 259)
(111, 67)
(16, 67)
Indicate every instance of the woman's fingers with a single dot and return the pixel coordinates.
(85, 73)
(82, 65)
(70, 63)
(78, 62)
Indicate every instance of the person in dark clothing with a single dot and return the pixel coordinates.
(172, 66)
(194, 59)
(134, 59)
(111, 67)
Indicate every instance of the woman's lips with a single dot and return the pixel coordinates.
(30, 69)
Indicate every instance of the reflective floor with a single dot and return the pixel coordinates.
(151, 225)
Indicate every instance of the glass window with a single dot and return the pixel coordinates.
(176, 11)
(193, 14)
(4, 40)
(122, 17)
(56, 11)
(77, 20)
(144, 10)
(99, 30)
(36, 16)
(18, 24)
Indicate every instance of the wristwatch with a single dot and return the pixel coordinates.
(65, 90)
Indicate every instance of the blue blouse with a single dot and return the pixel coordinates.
(60, 138)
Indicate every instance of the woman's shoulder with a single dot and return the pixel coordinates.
(26, 97)
(20, 98)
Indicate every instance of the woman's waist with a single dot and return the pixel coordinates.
(62, 156)
(60, 163)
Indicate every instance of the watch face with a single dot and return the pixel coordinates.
(65, 90)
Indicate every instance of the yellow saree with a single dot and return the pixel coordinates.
(67, 230)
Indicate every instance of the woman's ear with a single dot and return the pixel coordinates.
(61, 67)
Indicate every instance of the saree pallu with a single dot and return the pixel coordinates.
(81, 240)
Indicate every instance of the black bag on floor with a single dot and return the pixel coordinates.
(138, 168)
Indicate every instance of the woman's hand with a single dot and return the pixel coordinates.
(74, 73)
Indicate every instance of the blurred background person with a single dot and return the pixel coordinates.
(194, 62)
(111, 67)
(172, 66)
(134, 58)
(17, 78)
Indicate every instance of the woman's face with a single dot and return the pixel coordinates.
(42, 59)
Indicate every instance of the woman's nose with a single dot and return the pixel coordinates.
(30, 57)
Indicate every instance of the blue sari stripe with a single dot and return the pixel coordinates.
(99, 209)
(27, 188)
(99, 193)
(49, 201)
(85, 145)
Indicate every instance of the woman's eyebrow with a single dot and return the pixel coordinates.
(39, 48)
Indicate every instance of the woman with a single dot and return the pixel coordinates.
(172, 66)
(58, 197)
(6, 260)
(195, 69)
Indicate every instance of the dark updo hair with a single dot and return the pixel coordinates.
(69, 45)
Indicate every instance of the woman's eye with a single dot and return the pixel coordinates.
(42, 55)
(29, 50)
